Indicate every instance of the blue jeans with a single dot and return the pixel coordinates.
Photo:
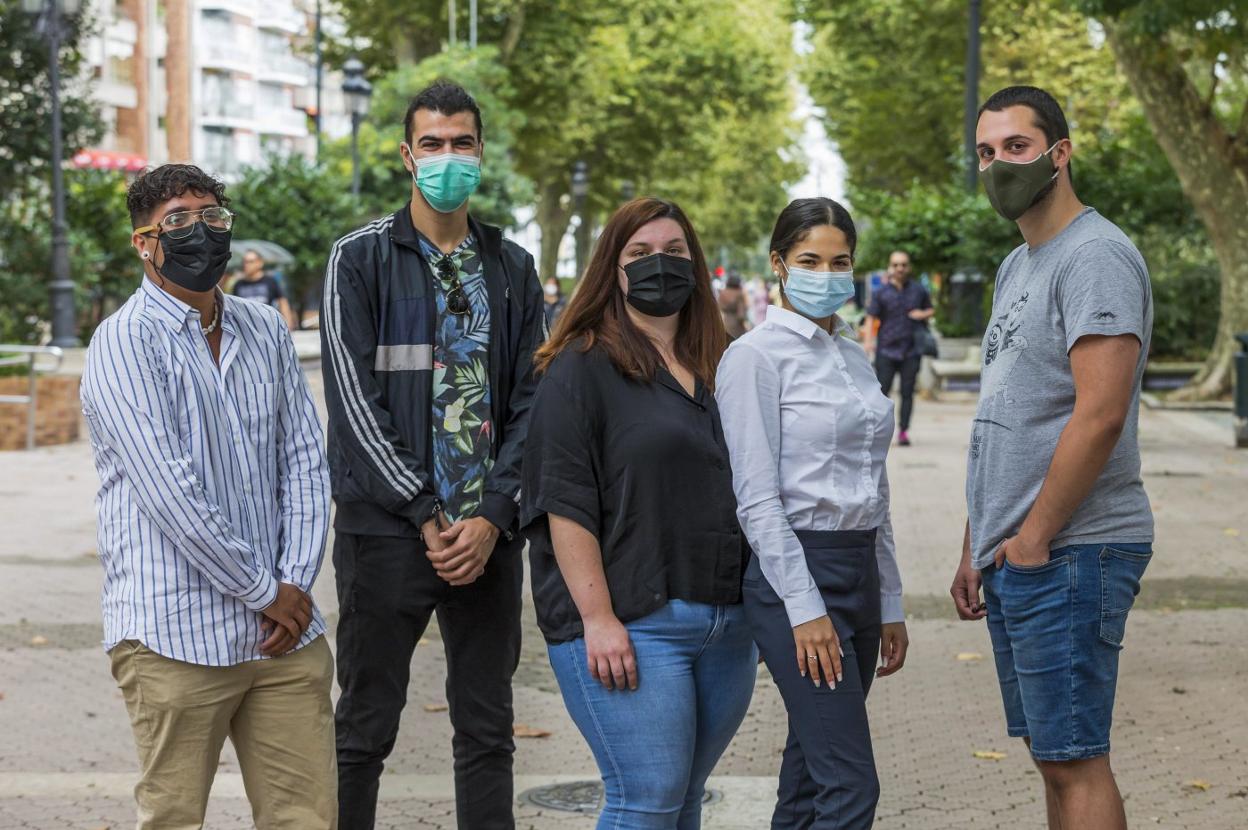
(656, 746)
(1056, 633)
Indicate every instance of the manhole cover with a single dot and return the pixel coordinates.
(581, 796)
(572, 797)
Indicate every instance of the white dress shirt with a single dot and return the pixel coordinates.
(213, 483)
(808, 431)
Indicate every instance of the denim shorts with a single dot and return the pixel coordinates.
(1056, 632)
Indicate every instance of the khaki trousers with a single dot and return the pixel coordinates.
(277, 713)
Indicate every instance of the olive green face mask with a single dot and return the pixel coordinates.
(1013, 187)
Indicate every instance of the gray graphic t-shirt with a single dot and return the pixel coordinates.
(1087, 280)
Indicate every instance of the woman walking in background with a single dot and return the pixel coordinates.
(808, 430)
(637, 556)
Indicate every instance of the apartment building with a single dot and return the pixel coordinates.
(222, 82)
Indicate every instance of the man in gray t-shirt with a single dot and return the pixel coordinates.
(1087, 280)
(1060, 529)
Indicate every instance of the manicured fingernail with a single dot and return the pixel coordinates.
(841, 650)
(839, 678)
(816, 681)
(833, 685)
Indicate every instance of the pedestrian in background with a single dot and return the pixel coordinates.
(1060, 529)
(213, 510)
(627, 502)
(429, 322)
(554, 301)
(255, 284)
(899, 305)
(733, 307)
(808, 431)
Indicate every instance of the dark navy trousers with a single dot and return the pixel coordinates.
(827, 776)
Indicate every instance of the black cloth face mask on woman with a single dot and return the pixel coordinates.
(659, 284)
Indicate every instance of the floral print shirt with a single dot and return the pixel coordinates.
(462, 431)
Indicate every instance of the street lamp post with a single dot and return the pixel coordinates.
(51, 15)
(357, 92)
(580, 190)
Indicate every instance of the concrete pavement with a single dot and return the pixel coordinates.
(67, 761)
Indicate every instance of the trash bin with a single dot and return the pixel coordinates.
(1241, 392)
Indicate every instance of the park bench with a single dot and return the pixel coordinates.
(958, 375)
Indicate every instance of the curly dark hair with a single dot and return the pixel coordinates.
(156, 186)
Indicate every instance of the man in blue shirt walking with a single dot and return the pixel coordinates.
(213, 508)
(899, 306)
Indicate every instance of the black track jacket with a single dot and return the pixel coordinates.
(378, 317)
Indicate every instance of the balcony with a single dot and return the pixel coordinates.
(122, 30)
(243, 8)
(283, 68)
(282, 17)
(231, 109)
(116, 92)
(220, 51)
(281, 120)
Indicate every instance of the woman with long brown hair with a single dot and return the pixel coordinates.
(637, 556)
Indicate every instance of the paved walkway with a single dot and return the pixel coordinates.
(66, 758)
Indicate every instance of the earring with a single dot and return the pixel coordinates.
(145, 255)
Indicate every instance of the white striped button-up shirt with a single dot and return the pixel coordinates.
(808, 431)
(213, 482)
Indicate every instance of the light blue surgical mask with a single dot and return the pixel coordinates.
(818, 294)
(447, 180)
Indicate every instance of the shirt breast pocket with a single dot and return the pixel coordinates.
(257, 408)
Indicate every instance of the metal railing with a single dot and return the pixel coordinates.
(29, 355)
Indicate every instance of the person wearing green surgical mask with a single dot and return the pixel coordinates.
(428, 327)
(1053, 476)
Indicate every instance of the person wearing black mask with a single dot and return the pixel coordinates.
(627, 503)
(213, 512)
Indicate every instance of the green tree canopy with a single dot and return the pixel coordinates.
(26, 131)
(689, 100)
(385, 183)
(1187, 63)
(301, 207)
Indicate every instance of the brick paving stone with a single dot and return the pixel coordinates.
(1179, 716)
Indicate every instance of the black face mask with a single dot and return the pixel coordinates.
(659, 285)
(196, 261)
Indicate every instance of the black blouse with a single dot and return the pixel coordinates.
(643, 467)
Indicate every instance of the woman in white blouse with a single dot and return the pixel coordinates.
(808, 430)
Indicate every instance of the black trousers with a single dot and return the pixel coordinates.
(387, 591)
(827, 775)
(886, 369)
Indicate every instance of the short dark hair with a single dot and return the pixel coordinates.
(169, 181)
(801, 215)
(446, 97)
(1048, 115)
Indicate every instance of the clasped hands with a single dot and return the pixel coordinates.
(285, 620)
(459, 551)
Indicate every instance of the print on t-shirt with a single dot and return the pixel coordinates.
(1003, 345)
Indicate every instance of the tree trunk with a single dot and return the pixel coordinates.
(553, 218)
(511, 38)
(1214, 177)
(178, 81)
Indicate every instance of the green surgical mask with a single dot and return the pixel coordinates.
(1013, 187)
(447, 180)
